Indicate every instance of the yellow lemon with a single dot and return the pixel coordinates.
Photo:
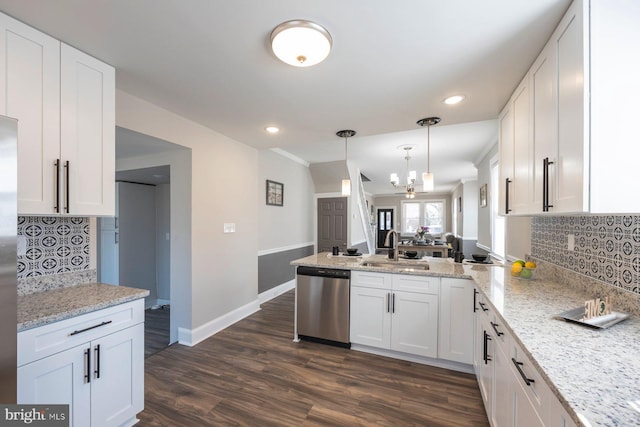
(530, 264)
(515, 273)
(516, 268)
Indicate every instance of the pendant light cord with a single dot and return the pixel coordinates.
(346, 165)
(429, 149)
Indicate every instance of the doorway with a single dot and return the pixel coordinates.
(332, 223)
(385, 223)
(135, 246)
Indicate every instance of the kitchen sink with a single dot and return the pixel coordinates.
(396, 266)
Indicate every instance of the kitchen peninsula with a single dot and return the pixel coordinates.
(583, 376)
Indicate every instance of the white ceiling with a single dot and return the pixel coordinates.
(392, 63)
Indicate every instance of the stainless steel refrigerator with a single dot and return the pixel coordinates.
(8, 242)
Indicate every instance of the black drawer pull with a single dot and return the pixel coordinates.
(495, 328)
(486, 356)
(483, 306)
(89, 328)
(87, 366)
(527, 381)
(475, 293)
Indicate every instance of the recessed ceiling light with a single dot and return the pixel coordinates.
(452, 100)
(272, 129)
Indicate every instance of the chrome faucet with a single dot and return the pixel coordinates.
(395, 243)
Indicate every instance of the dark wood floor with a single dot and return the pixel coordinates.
(253, 374)
(156, 330)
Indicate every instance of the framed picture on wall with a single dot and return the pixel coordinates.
(483, 196)
(275, 193)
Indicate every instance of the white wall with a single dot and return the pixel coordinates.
(290, 225)
(470, 206)
(484, 214)
(220, 280)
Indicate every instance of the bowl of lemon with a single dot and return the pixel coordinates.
(522, 269)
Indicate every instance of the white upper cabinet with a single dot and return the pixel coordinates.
(30, 92)
(515, 153)
(583, 89)
(64, 101)
(87, 133)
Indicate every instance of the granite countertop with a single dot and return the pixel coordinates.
(441, 267)
(593, 372)
(41, 308)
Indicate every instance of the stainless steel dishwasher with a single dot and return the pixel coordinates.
(322, 298)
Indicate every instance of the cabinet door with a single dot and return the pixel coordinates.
(522, 156)
(503, 380)
(87, 133)
(59, 379)
(571, 168)
(30, 92)
(371, 317)
(117, 392)
(414, 323)
(524, 413)
(455, 326)
(506, 160)
(485, 368)
(544, 89)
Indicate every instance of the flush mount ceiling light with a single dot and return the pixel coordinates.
(427, 177)
(301, 43)
(346, 183)
(411, 176)
(452, 100)
(272, 129)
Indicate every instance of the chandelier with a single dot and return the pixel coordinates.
(411, 176)
(346, 182)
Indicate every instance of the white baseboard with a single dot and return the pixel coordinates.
(191, 337)
(439, 363)
(272, 293)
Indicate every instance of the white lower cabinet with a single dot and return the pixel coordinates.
(395, 312)
(102, 379)
(514, 392)
(455, 326)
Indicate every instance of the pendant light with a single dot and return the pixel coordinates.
(427, 177)
(301, 43)
(346, 183)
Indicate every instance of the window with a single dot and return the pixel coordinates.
(428, 213)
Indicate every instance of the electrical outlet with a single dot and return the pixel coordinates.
(571, 242)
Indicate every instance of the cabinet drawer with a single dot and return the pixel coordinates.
(418, 284)
(36, 343)
(537, 390)
(371, 279)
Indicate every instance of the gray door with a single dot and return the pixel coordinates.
(332, 223)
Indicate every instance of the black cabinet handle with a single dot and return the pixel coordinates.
(56, 176)
(483, 306)
(87, 366)
(495, 328)
(96, 357)
(486, 356)
(388, 302)
(393, 303)
(475, 293)
(89, 328)
(506, 196)
(527, 381)
(545, 184)
(66, 184)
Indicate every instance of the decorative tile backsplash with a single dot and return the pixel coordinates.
(54, 245)
(607, 247)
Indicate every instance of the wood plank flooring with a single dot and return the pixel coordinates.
(253, 374)
(156, 330)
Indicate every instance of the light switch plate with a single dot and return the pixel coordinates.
(229, 227)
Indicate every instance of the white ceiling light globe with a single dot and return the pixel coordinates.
(301, 43)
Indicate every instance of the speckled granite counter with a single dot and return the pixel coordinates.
(593, 372)
(41, 308)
